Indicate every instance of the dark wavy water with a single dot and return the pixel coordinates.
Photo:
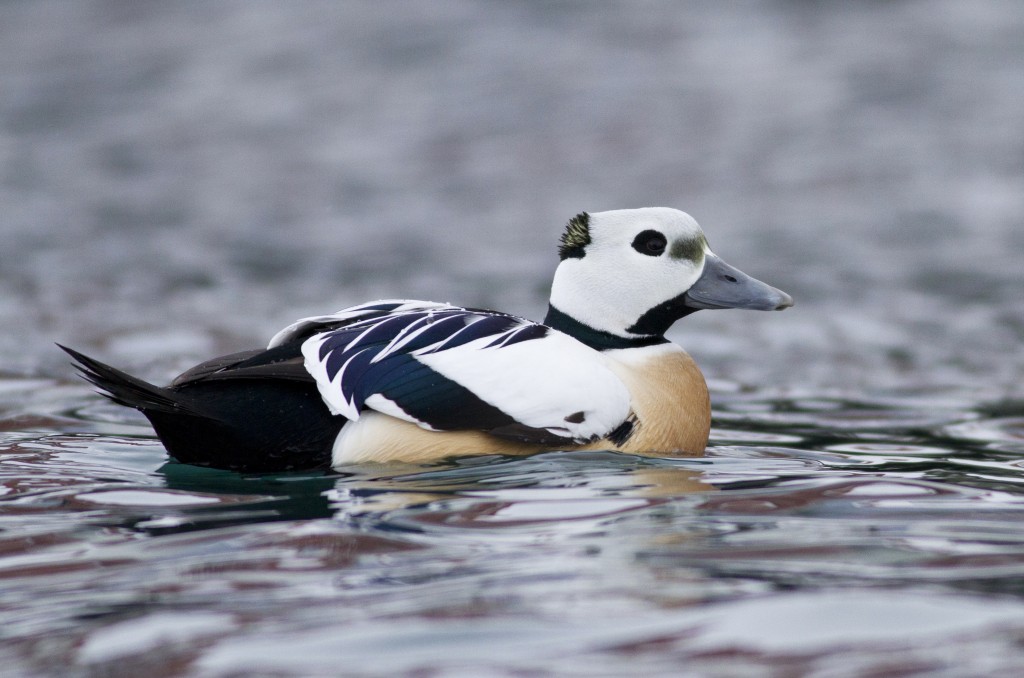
(183, 179)
(819, 536)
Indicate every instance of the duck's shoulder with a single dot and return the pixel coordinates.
(362, 314)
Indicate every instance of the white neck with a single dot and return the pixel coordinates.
(579, 296)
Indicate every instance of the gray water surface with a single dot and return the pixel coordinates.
(183, 179)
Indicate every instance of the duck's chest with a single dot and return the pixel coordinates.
(669, 400)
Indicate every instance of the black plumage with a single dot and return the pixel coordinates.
(255, 411)
(262, 410)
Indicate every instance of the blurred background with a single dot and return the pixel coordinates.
(179, 179)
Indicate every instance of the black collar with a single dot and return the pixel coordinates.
(596, 339)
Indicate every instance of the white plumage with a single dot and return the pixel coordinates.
(541, 383)
(541, 379)
(417, 380)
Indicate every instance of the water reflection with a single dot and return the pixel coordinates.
(106, 544)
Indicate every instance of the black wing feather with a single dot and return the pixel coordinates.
(377, 356)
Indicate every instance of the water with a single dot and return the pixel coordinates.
(818, 537)
(181, 180)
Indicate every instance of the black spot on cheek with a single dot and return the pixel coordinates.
(576, 418)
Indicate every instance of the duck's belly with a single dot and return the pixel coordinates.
(377, 437)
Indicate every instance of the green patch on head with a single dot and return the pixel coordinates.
(575, 238)
(689, 248)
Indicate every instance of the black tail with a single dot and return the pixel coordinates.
(245, 424)
(123, 388)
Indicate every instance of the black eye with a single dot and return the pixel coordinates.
(650, 243)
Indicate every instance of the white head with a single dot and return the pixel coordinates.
(632, 273)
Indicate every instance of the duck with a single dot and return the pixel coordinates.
(410, 381)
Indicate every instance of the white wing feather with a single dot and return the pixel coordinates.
(554, 382)
(542, 383)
